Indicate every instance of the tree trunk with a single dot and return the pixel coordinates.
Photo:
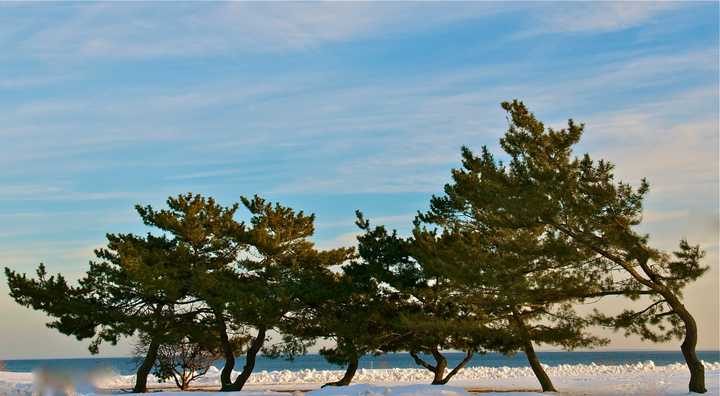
(439, 374)
(250, 358)
(228, 354)
(537, 368)
(697, 370)
(438, 370)
(147, 365)
(468, 356)
(427, 365)
(349, 374)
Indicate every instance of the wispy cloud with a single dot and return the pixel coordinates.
(135, 30)
(672, 141)
(24, 82)
(597, 17)
(30, 192)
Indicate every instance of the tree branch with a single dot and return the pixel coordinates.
(468, 356)
(421, 362)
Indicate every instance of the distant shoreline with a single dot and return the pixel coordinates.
(128, 365)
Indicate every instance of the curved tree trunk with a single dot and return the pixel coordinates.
(697, 370)
(349, 374)
(147, 365)
(228, 354)
(654, 283)
(537, 368)
(250, 359)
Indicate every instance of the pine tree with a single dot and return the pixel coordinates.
(137, 284)
(215, 239)
(248, 277)
(521, 280)
(597, 213)
(352, 312)
(156, 286)
(431, 316)
(578, 204)
(276, 272)
(208, 273)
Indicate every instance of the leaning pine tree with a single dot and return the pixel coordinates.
(137, 285)
(579, 201)
(522, 278)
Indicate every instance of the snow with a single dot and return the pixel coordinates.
(580, 379)
(470, 375)
(375, 390)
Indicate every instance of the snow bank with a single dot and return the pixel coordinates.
(373, 390)
(591, 379)
(416, 375)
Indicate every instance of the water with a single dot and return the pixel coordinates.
(126, 365)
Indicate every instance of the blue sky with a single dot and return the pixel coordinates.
(332, 107)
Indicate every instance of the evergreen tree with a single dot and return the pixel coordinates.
(157, 286)
(251, 279)
(578, 203)
(208, 273)
(432, 316)
(137, 284)
(522, 280)
(277, 272)
(214, 237)
(350, 311)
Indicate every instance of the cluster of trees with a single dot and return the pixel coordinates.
(497, 263)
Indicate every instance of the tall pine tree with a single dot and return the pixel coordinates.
(578, 203)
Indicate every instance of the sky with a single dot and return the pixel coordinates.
(333, 107)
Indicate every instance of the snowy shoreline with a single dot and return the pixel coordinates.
(641, 378)
(418, 375)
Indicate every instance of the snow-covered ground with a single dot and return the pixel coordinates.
(634, 379)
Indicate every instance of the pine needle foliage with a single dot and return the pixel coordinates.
(547, 229)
